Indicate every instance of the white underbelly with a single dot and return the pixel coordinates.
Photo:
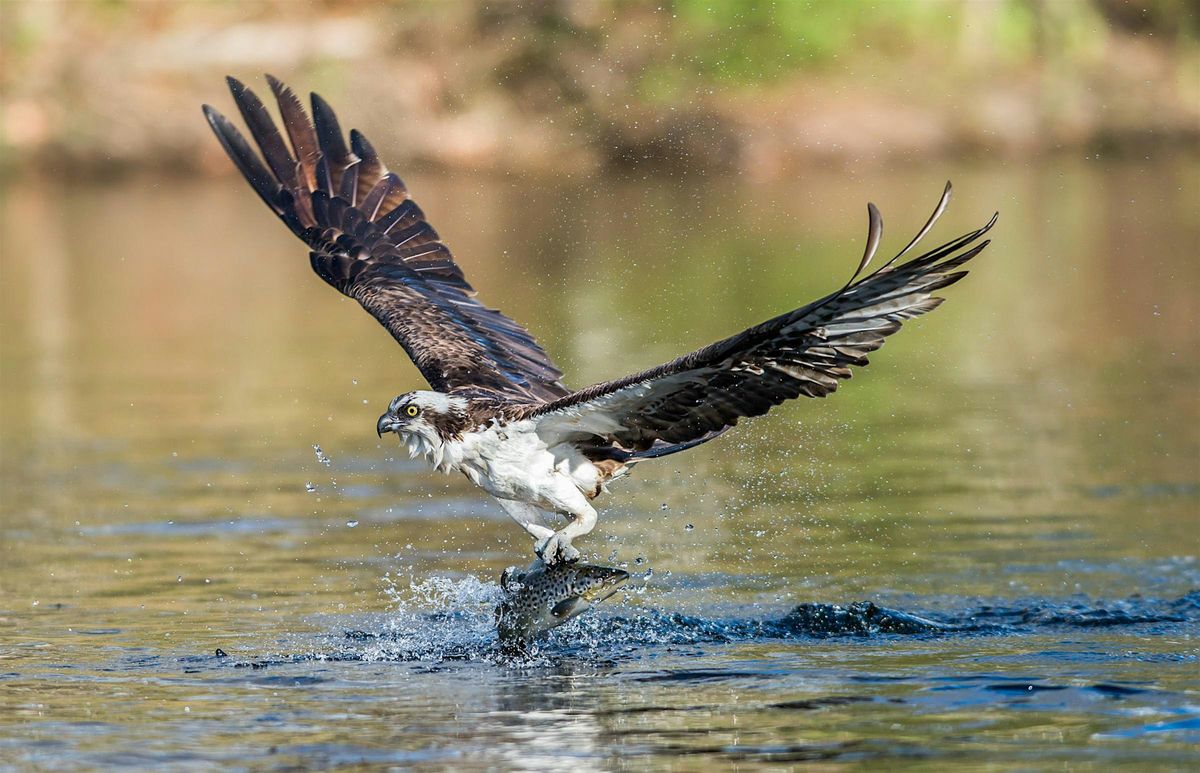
(519, 466)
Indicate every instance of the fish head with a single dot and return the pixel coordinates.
(544, 597)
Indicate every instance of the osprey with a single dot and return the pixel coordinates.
(499, 412)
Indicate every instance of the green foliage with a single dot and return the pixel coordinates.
(745, 40)
(752, 41)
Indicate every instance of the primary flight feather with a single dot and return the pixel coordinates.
(499, 412)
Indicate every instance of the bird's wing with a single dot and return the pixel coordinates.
(804, 352)
(371, 242)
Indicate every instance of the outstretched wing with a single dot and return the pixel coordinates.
(804, 352)
(371, 242)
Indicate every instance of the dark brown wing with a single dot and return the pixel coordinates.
(804, 352)
(371, 242)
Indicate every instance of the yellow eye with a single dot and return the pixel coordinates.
(412, 410)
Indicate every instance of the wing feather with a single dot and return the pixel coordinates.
(263, 129)
(330, 139)
(300, 131)
(806, 352)
(371, 242)
(245, 159)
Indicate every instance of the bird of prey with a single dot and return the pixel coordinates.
(498, 411)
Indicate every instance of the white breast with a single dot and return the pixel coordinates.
(513, 462)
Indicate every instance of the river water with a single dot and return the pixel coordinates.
(185, 580)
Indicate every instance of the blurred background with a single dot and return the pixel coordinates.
(768, 88)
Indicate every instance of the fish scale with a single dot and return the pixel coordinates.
(544, 597)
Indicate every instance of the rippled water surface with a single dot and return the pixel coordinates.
(185, 581)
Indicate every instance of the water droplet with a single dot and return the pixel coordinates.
(351, 524)
(310, 487)
(663, 506)
(321, 457)
(689, 527)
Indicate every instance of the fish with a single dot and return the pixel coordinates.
(544, 597)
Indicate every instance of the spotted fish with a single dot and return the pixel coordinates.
(544, 597)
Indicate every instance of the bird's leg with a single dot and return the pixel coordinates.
(557, 547)
(528, 517)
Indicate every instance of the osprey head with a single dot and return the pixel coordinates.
(431, 417)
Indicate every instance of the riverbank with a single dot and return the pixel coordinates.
(565, 87)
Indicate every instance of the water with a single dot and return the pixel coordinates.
(206, 555)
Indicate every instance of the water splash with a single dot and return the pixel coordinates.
(441, 619)
(433, 619)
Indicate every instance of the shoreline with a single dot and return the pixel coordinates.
(576, 88)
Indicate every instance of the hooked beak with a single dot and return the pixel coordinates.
(387, 423)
